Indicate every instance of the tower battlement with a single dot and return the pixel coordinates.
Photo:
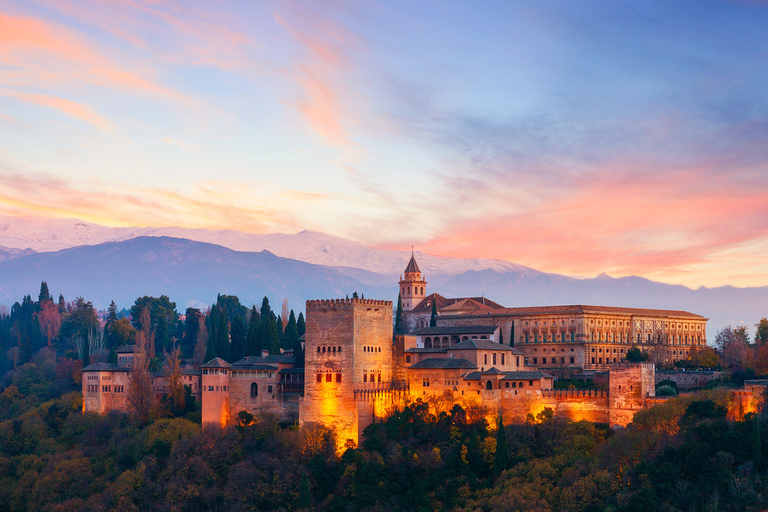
(346, 303)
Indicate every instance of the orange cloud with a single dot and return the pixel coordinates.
(677, 225)
(213, 205)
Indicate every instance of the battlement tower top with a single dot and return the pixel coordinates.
(343, 304)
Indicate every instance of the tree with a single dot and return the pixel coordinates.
(163, 318)
(140, 396)
(635, 355)
(121, 332)
(112, 357)
(301, 325)
(238, 335)
(191, 326)
(201, 343)
(255, 338)
(761, 334)
(291, 332)
(433, 318)
(399, 321)
(45, 295)
(175, 384)
(704, 357)
(222, 340)
(756, 445)
(733, 345)
(50, 320)
(145, 328)
(79, 320)
(501, 459)
(284, 315)
(305, 496)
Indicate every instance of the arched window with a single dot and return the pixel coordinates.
(428, 342)
(254, 390)
(339, 349)
(334, 350)
(318, 350)
(489, 385)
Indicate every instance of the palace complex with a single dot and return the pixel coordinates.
(478, 354)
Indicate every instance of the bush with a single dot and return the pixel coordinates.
(666, 391)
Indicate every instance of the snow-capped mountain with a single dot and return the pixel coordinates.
(45, 235)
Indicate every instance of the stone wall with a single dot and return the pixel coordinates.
(105, 391)
(687, 380)
(360, 331)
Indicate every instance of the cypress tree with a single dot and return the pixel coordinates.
(45, 295)
(433, 318)
(239, 338)
(211, 325)
(254, 339)
(301, 325)
(112, 357)
(265, 309)
(222, 339)
(501, 460)
(399, 327)
(291, 333)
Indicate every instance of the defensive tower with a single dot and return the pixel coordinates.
(348, 347)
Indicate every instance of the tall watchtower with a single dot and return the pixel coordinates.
(412, 285)
(348, 347)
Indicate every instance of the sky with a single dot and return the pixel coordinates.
(575, 137)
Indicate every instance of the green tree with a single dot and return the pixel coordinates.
(761, 334)
(222, 339)
(44, 295)
(635, 355)
(191, 327)
(112, 357)
(291, 332)
(433, 318)
(230, 304)
(255, 338)
(238, 335)
(301, 325)
(354, 295)
(163, 318)
(305, 496)
(501, 459)
(399, 320)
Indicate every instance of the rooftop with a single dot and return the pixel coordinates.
(580, 309)
(475, 344)
(216, 362)
(458, 329)
(445, 363)
(534, 375)
(248, 361)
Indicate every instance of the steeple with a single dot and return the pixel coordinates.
(412, 285)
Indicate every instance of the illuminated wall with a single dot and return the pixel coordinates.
(348, 347)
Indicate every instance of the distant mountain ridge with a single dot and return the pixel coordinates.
(192, 274)
(42, 235)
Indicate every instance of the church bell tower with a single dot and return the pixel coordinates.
(412, 285)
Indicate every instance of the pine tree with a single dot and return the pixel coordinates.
(222, 339)
(265, 309)
(399, 322)
(211, 325)
(433, 318)
(45, 295)
(501, 460)
(62, 304)
(354, 295)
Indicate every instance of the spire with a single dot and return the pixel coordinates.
(412, 266)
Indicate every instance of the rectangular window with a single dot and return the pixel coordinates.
(572, 336)
(535, 337)
(530, 383)
(365, 377)
(494, 359)
(562, 360)
(525, 361)
(269, 389)
(485, 358)
(338, 377)
(593, 360)
(502, 359)
(407, 359)
(543, 360)
(328, 377)
(319, 377)
(378, 377)
(535, 361)
(526, 337)
(571, 360)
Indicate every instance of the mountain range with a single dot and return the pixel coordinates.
(192, 265)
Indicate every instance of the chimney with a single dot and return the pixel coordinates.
(264, 353)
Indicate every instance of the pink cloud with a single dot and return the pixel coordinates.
(71, 108)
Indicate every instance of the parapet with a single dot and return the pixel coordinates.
(342, 304)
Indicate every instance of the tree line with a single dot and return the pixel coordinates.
(227, 329)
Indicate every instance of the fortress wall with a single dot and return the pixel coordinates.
(362, 330)
(686, 380)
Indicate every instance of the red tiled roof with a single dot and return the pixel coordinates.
(425, 305)
(576, 309)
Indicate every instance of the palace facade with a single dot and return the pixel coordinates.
(478, 354)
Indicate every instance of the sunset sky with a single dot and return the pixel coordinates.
(575, 137)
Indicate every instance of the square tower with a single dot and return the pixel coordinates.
(348, 347)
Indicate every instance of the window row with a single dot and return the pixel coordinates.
(214, 371)
(329, 377)
(216, 388)
(330, 350)
(371, 349)
(553, 360)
